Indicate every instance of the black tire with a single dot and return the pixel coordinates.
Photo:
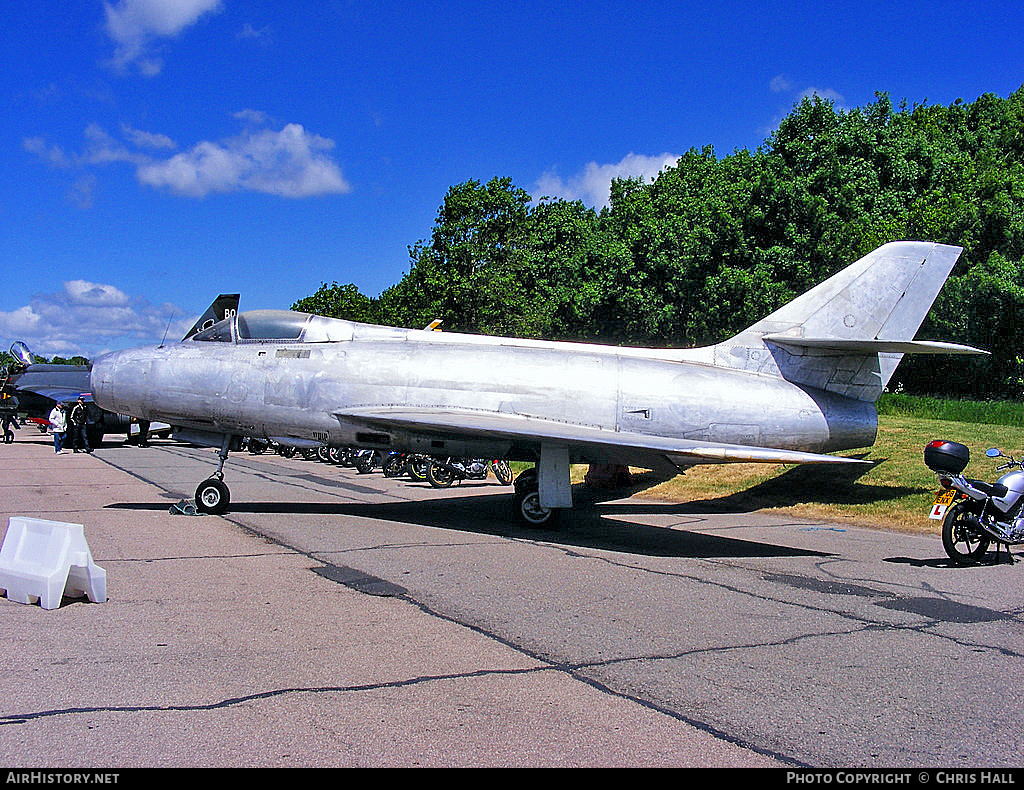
(8, 437)
(212, 497)
(502, 472)
(416, 468)
(528, 510)
(394, 465)
(439, 475)
(527, 479)
(964, 543)
(286, 451)
(363, 464)
(257, 446)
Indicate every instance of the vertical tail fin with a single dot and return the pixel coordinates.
(848, 334)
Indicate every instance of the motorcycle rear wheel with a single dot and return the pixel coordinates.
(393, 465)
(963, 542)
(439, 475)
(417, 468)
(502, 472)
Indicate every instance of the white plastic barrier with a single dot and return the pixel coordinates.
(45, 560)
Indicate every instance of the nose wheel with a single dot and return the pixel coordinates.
(212, 495)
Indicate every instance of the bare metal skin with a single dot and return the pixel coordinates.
(798, 384)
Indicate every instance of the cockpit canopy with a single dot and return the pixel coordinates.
(275, 326)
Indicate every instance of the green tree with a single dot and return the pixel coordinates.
(713, 243)
(338, 301)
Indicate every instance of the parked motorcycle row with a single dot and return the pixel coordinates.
(438, 471)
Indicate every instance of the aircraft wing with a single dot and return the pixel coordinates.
(62, 394)
(636, 448)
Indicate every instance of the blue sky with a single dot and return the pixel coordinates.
(155, 153)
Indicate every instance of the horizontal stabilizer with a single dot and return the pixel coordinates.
(638, 449)
(844, 346)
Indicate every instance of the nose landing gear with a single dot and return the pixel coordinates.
(212, 495)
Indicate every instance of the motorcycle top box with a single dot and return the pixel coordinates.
(942, 456)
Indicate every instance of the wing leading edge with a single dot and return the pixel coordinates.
(475, 425)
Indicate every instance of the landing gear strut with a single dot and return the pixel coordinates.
(212, 495)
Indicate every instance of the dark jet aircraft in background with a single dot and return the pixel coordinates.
(796, 385)
(37, 387)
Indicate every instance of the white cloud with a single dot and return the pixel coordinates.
(83, 292)
(52, 155)
(143, 139)
(593, 184)
(135, 24)
(823, 93)
(782, 84)
(89, 318)
(291, 162)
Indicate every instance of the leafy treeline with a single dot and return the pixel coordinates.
(7, 361)
(715, 243)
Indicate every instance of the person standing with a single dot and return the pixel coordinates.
(79, 437)
(59, 426)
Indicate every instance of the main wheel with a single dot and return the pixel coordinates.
(439, 475)
(528, 509)
(212, 497)
(963, 542)
(8, 437)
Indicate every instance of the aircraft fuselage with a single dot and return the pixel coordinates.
(298, 390)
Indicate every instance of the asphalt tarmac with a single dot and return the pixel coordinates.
(332, 619)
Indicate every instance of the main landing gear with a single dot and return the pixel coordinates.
(526, 502)
(212, 495)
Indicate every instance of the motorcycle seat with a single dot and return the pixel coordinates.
(997, 490)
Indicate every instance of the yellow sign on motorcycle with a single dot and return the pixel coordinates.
(943, 500)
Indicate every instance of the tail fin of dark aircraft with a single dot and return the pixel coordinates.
(223, 306)
(848, 334)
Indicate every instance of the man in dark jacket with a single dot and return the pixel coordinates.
(79, 434)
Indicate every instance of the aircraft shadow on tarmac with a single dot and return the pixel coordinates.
(616, 527)
(806, 484)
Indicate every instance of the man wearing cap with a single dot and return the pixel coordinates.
(79, 435)
(58, 426)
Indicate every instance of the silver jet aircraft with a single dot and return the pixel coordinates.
(796, 385)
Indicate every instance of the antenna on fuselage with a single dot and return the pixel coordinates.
(167, 329)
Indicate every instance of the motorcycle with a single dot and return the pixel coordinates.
(442, 472)
(974, 513)
(416, 467)
(394, 464)
(366, 460)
